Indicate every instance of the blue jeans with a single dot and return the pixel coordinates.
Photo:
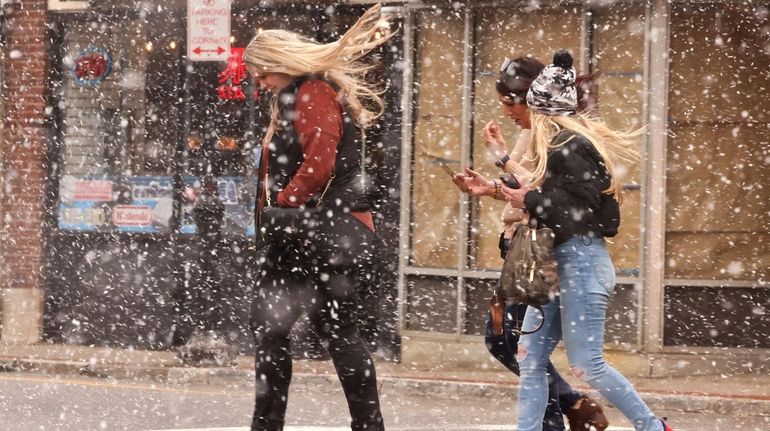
(561, 396)
(586, 280)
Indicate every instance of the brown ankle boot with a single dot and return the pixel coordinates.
(589, 414)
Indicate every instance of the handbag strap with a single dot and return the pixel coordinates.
(326, 188)
(540, 309)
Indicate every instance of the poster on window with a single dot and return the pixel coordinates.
(84, 204)
(106, 204)
(238, 196)
(149, 206)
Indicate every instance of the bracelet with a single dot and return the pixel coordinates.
(498, 190)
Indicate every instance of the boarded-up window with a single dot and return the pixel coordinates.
(718, 209)
(438, 111)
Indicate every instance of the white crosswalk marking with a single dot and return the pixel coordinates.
(398, 428)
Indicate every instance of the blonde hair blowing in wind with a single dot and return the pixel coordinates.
(614, 146)
(281, 51)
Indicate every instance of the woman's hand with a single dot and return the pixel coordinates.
(458, 180)
(475, 183)
(516, 196)
(493, 140)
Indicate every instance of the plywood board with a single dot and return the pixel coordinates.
(717, 178)
(719, 72)
(437, 130)
(718, 256)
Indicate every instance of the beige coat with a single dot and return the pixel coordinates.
(522, 167)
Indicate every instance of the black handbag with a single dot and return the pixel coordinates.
(529, 274)
(290, 225)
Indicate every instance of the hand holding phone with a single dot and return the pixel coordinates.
(455, 177)
(510, 181)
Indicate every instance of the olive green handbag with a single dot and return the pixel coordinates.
(529, 274)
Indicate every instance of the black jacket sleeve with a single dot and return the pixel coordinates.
(571, 193)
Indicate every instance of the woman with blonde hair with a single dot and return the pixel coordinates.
(311, 157)
(502, 339)
(573, 189)
(575, 192)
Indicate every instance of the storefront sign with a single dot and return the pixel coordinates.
(231, 80)
(128, 204)
(95, 190)
(151, 206)
(131, 215)
(83, 217)
(92, 66)
(208, 30)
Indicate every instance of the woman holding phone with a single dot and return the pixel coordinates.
(502, 340)
(574, 191)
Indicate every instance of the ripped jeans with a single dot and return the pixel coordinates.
(561, 396)
(586, 280)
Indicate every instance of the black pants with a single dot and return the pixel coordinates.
(320, 280)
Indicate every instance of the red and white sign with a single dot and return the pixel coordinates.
(208, 30)
(231, 80)
(98, 191)
(131, 215)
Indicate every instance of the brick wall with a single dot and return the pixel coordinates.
(24, 146)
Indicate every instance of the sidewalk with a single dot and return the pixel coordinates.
(741, 394)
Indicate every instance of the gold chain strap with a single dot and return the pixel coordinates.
(328, 183)
(267, 192)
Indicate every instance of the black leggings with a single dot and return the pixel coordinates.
(324, 287)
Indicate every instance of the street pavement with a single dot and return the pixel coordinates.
(68, 403)
(55, 387)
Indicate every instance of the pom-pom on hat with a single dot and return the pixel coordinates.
(554, 91)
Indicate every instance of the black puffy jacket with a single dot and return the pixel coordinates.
(571, 200)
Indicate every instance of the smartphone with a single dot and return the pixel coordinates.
(447, 169)
(460, 185)
(510, 181)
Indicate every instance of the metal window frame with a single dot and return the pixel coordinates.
(654, 175)
(466, 132)
(652, 282)
(407, 137)
(739, 352)
(716, 283)
(738, 284)
(407, 112)
(461, 272)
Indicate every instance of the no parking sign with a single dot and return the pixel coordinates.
(208, 30)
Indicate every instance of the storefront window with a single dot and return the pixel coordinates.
(511, 33)
(228, 115)
(139, 122)
(121, 115)
(437, 131)
(221, 144)
(718, 208)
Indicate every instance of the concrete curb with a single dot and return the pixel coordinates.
(688, 402)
